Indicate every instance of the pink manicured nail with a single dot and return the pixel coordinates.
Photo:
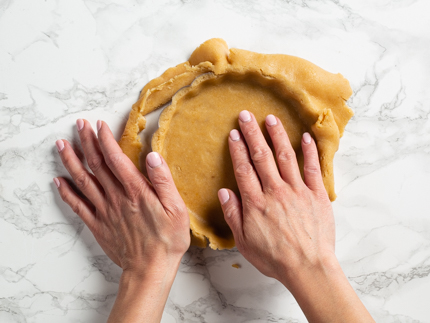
(57, 182)
(223, 196)
(153, 159)
(234, 135)
(60, 145)
(271, 120)
(307, 138)
(99, 125)
(80, 124)
(244, 116)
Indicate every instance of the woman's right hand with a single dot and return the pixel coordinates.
(283, 225)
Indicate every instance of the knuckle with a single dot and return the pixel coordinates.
(240, 150)
(135, 189)
(231, 210)
(94, 163)
(251, 130)
(177, 209)
(277, 190)
(311, 169)
(76, 207)
(253, 202)
(114, 160)
(82, 180)
(133, 193)
(286, 155)
(160, 179)
(260, 153)
(278, 131)
(244, 169)
(301, 192)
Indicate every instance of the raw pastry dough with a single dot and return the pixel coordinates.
(193, 130)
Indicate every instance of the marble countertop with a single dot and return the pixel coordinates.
(63, 60)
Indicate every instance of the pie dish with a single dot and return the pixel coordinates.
(207, 93)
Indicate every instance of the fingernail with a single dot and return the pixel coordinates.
(99, 125)
(80, 124)
(271, 120)
(154, 159)
(57, 182)
(307, 138)
(223, 196)
(60, 145)
(244, 116)
(234, 135)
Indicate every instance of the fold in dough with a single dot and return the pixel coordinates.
(207, 94)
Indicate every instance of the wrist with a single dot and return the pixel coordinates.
(155, 279)
(324, 266)
(324, 293)
(161, 268)
(143, 291)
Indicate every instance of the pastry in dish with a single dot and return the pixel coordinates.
(207, 93)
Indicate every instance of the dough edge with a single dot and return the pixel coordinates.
(322, 97)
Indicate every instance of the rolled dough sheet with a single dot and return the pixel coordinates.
(207, 94)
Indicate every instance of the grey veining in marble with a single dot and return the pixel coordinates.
(62, 60)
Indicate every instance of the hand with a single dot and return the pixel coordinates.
(144, 229)
(283, 225)
(136, 224)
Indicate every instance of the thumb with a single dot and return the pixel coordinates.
(161, 178)
(232, 209)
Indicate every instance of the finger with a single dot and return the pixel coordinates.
(79, 206)
(260, 152)
(162, 181)
(247, 180)
(311, 166)
(86, 183)
(285, 154)
(232, 209)
(94, 156)
(120, 165)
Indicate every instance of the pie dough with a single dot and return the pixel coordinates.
(207, 93)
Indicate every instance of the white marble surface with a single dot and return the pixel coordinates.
(61, 60)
